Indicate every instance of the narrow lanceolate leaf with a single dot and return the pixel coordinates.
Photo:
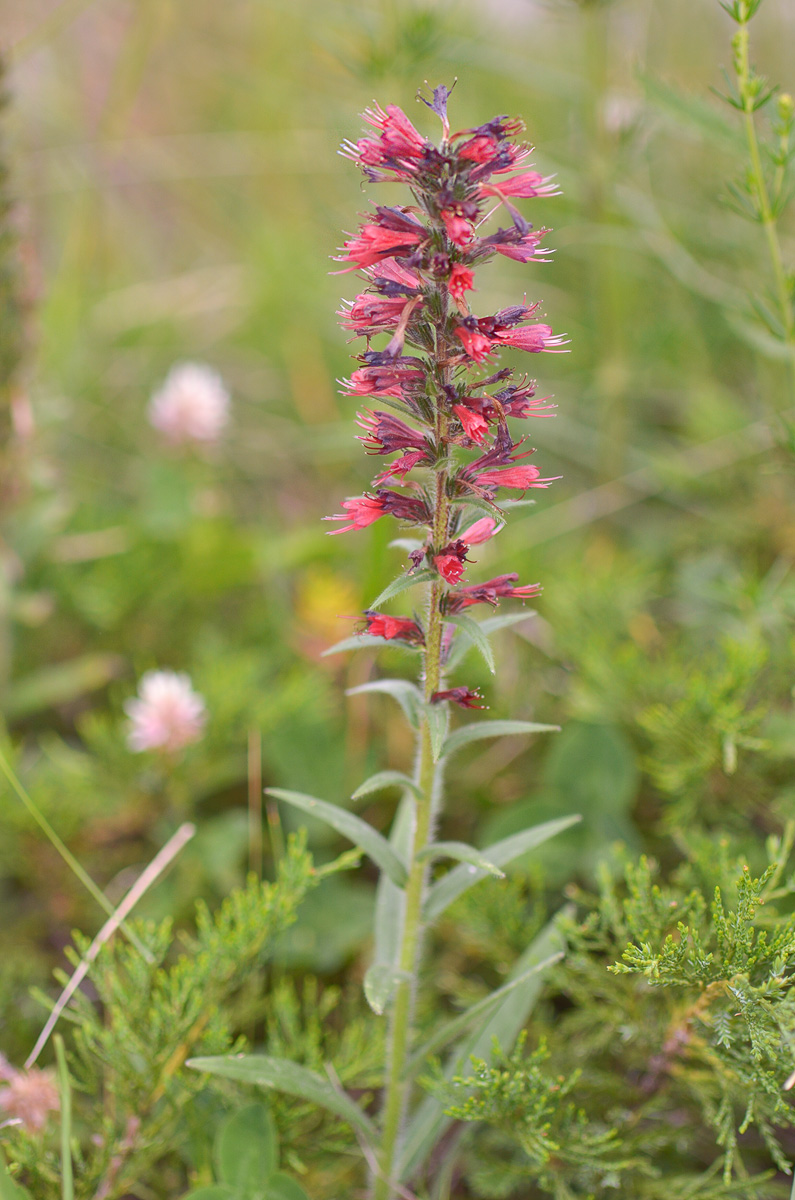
(351, 827)
(503, 1023)
(450, 1031)
(401, 584)
(367, 641)
(461, 647)
(491, 729)
(380, 982)
(461, 878)
(438, 718)
(385, 779)
(390, 901)
(461, 852)
(407, 544)
(9, 1190)
(477, 637)
(282, 1075)
(407, 694)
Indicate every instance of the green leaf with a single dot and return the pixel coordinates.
(477, 637)
(380, 984)
(461, 852)
(390, 901)
(452, 885)
(482, 506)
(692, 110)
(401, 584)
(65, 1091)
(284, 1187)
(502, 1023)
(407, 544)
(9, 1189)
(490, 729)
(438, 718)
(489, 625)
(285, 1076)
(351, 827)
(452, 1028)
(366, 641)
(407, 695)
(385, 779)
(246, 1150)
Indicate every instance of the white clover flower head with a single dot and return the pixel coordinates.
(166, 714)
(191, 406)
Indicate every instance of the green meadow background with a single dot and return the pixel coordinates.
(178, 196)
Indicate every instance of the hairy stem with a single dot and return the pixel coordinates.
(397, 1088)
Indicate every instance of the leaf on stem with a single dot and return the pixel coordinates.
(503, 1023)
(461, 878)
(367, 641)
(461, 648)
(489, 729)
(401, 584)
(282, 1075)
(380, 983)
(461, 852)
(438, 718)
(385, 779)
(407, 695)
(351, 827)
(477, 637)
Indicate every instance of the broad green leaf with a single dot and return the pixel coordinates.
(380, 983)
(438, 718)
(61, 683)
(452, 1028)
(407, 544)
(461, 852)
(385, 779)
(517, 503)
(482, 506)
(284, 1187)
(477, 637)
(366, 641)
(407, 695)
(246, 1150)
(461, 648)
(351, 827)
(490, 729)
(502, 1023)
(452, 885)
(284, 1076)
(401, 584)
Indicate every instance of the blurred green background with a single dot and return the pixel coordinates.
(179, 196)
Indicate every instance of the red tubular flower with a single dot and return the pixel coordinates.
(490, 592)
(460, 280)
(384, 378)
(464, 697)
(532, 338)
(384, 433)
(525, 186)
(400, 468)
(362, 509)
(394, 628)
(476, 344)
(524, 476)
(375, 243)
(372, 312)
(475, 425)
(449, 562)
(481, 531)
(399, 139)
(522, 246)
(459, 230)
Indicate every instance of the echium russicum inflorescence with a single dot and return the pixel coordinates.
(434, 397)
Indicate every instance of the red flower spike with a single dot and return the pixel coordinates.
(394, 628)
(464, 697)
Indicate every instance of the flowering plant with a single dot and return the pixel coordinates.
(432, 404)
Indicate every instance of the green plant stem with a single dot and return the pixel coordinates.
(765, 209)
(67, 856)
(397, 1087)
(64, 1087)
